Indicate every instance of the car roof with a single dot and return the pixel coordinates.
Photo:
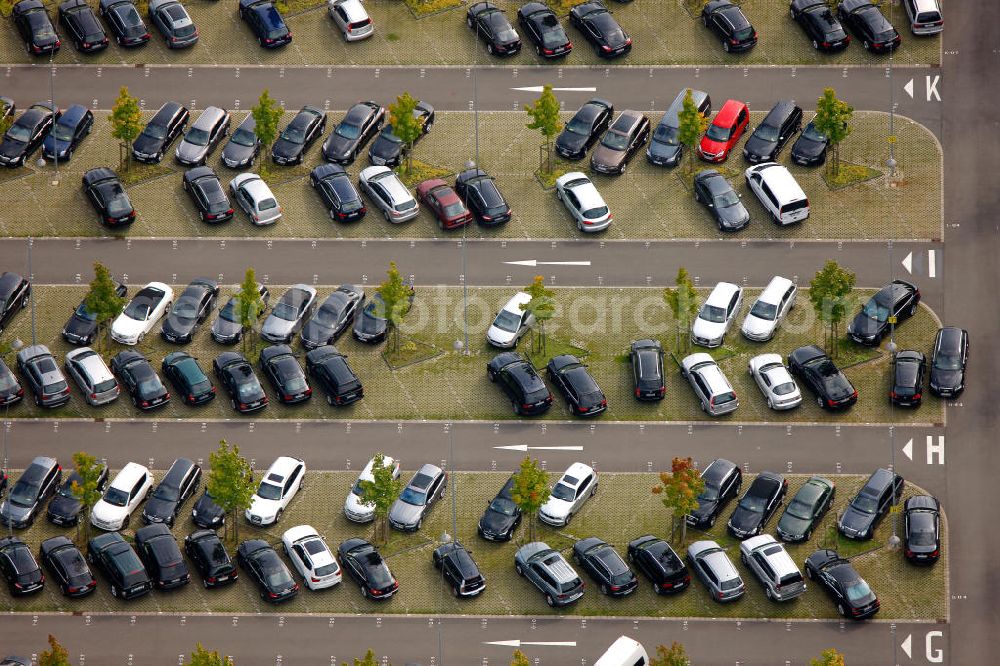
(727, 114)
(722, 293)
(92, 363)
(586, 192)
(775, 289)
(283, 465)
(879, 479)
(72, 115)
(718, 469)
(518, 299)
(129, 474)
(950, 339)
(577, 470)
(178, 470)
(778, 112)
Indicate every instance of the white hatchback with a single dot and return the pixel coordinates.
(255, 198)
(511, 322)
(769, 309)
(352, 19)
(280, 483)
(122, 497)
(311, 557)
(353, 508)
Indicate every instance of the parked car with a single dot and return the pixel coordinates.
(330, 368)
(418, 497)
(388, 193)
(354, 510)
(234, 371)
(142, 313)
(769, 310)
(711, 387)
(174, 23)
(587, 125)
(387, 149)
(69, 570)
(282, 481)
(263, 565)
(659, 563)
(339, 196)
(803, 514)
(922, 529)
(162, 558)
(511, 322)
(266, 22)
(646, 359)
(119, 564)
(600, 28)
(92, 376)
(774, 381)
(37, 483)
(665, 148)
(165, 126)
(843, 584)
(192, 307)
(70, 130)
(909, 368)
(502, 515)
(206, 513)
(521, 383)
(64, 507)
(716, 571)
(10, 392)
(605, 566)
(209, 196)
(82, 26)
(872, 503)
(294, 141)
(446, 206)
(570, 376)
(832, 388)
(42, 375)
(362, 562)
(810, 148)
(140, 380)
(778, 127)
(577, 485)
(288, 315)
(869, 25)
(352, 19)
(121, 498)
(925, 16)
(370, 324)
(104, 190)
(278, 364)
(542, 27)
(334, 316)
(898, 299)
(19, 568)
(306, 549)
(26, 134)
(482, 197)
(716, 315)
(209, 557)
(948, 362)
(778, 193)
(724, 132)
(730, 25)
(548, 571)
(459, 570)
(771, 564)
(203, 136)
(81, 327)
(760, 501)
(15, 294)
(177, 485)
(125, 22)
(626, 136)
(714, 192)
(227, 329)
(243, 145)
(254, 196)
(491, 26)
(583, 201)
(820, 25)
(32, 21)
(360, 124)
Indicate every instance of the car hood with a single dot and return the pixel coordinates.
(127, 327)
(793, 526)
(236, 152)
(757, 326)
(226, 328)
(571, 142)
(354, 505)
(315, 332)
(147, 144)
(664, 151)
(14, 512)
(263, 507)
(607, 156)
(207, 509)
(157, 508)
(499, 335)
(51, 144)
(857, 520)
(496, 522)
(276, 327)
(369, 325)
(705, 509)
(711, 145)
(387, 150)
(808, 148)
(108, 513)
(733, 216)
(556, 508)
(864, 326)
(946, 378)
(404, 513)
(64, 506)
(760, 147)
(707, 329)
(80, 327)
(338, 146)
(179, 325)
(286, 148)
(745, 520)
(11, 148)
(191, 152)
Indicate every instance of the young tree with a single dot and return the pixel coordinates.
(380, 494)
(102, 301)
(544, 115)
(675, 655)
(396, 297)
(543, 306)
(56, 655)
(368, 660)
(829, 658)
(833, 119)
(405, 124)
(683, 303)
(828, 293)
(126, 124)
(692, 124)
(230, 483)
(530, 491)
(203, 657)
(266, 116)
(519, 659)
(249, 307)
(86, 490)
(680, 490)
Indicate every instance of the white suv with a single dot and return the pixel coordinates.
(353, 508)
(769, 309)
(583, 201)
(282, 480)
(311, 557)
(577, 485)
(716, 315)
(511, 322)
(121, 498)
(778, 192)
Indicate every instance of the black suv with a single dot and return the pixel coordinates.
(502, 515)
(140, 379)
(871, 505)
(948, 362)
(14, 294)
(329, 367)
(35, 485)
(781, 123)
(605, 566)
(119, 564)
(723, 480)
(571, 377)
(662, 566)
(64, 509)
(208, 554)
(646, 357)
(820, 25)
(459, 570)
(730, 25)
(757, 505)
(160, 132)
(525, 389)
(159, 552)
(266, 22)
(179, 483)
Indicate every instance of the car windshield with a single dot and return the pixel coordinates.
(197, 136)
(615, 141)
(563, 492)
(277, 577)
(249, 389)
(285, 311)
(327, 570)
(83, 313)
(185, 309)
(294, 134)
(137, 310)
(507, 321)
(155, 131)
(413, 496)
(876, 311)
(946, 361)
(578, 126)
(388, 135)
(858, 591)
(348, 131)
(454, 209)
(269, 491)
(229, 313)
(752, 503)
(503, 506)
(666, 134)
(717, 133)
(19, 133)
(712, 313)
(242, 137)
(116, 497)
(762, 310)
(813, 134)
(767, 133)
(865, 504)
(726, 199)
(922, 535)
(63, 132)
(327, 316)
(118, 203)
(709, 494)
(799, 510)
(23, 494)
(166, 493)
(7, 380)
(784, 389)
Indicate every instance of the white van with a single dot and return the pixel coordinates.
(624, 652)
(778, 192)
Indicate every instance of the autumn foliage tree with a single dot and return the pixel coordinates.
(691, 124)
(542, 306)
(406, 125)
(56, 655)
(530, 491)
(833, 120)
(675, 655)
(679, 492)
(126, 124)
(204, 657)
(829, 658)
(683, 303)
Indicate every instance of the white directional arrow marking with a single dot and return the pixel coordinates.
(516, 643)
(525, 447)
(908, 263)
(906, 645)
(909, 88)
(908, 449)
(535, 262)
(540, 88)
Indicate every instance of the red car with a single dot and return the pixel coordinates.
(438, 195)
(724, 132)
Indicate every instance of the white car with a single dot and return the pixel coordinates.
(577, 485)
(774, 381)
(769, 309)
(716, 315)
(388, 193)
(142, 313)
(311, 557)
(121, 498)
(282, 480)
(511, 322)
(352, 19)
(255, 198)
(583, 201)
(353, 508)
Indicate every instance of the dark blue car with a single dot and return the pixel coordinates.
(266, 22)
(71, 128)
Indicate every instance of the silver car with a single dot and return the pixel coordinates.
(92, 375)
(288, 314)
(425, 488)
(388, 193)
(255, 198)
(203, 136)
(352, 19)
(773, 567)
(774, 381)
(583, 201)
(710, 385)
(716, 570)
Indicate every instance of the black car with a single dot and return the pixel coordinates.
(370, 324)
(61, 557)
(190, 309)
(871, 505)
(106, 194)
(714, 192)
(482, 197)
(600, 28)
(661, 565)
(26, 134)
(542, 27)
(162, 558)
(28, 495)
(922, 529)
(362, 562)
(723, 480)
(206, 513)
(502, 515)
(523, 386)
(571, 377)
(36, 28)
(266, 22)
(810, 148)
(849, 591)
(174, 23)
(360, 124)
(279, 365)
(459, 570)
(19, 568)
(779, 125)
(948, 362)
(869, 25)
(15, 293)
(238, 378)
(340, 197)
(73, 126)
(820, 25)
(140, 380)
(646, 358)
(208, 554)
(832, 388)
(605, 566)
(730, 25)
(757, 505)
(116, 560)
(388, 149)
(160, 132)
(189, 380)
(178, 484)
(490, 25)
(11, 392)
(64, 508)
(806, 509)
(227, 328)
(243, 145)
(208, 195)
(81, 327)
(293, 142)
(333, 317)
(267, 570)
(42, 375)
(583, 130)
(908, 379)
(82, 26)
(126, 23)
(329, 367)
(898, 299)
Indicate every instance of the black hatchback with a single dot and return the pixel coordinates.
(65, 507)
(660, 563)
(19, 568)
(908, 379)
(948, 362)
(285, 374)
(83, 27)
(265, 20)
(106, 194)
(646, 357)
(459, 570)
(781, 123)
(208, 195)
(61, 557)
(730, 25)
(140, 379)
(482, 197)
(158, 551)
(714, 192)
(126, 23)
(330, 368)
(339, 196)
(571, 377)
(238, 378)
(605, 566)
(820, 25)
